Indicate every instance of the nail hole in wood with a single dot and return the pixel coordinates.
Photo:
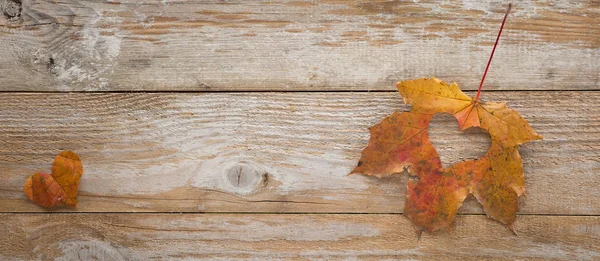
(52, 66)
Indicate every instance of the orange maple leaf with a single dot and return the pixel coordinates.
(59, 188)
(400, 142)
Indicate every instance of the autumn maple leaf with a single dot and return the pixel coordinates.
(401, 142)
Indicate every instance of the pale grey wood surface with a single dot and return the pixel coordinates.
(165, 45)
(273, 152)
(290, 237)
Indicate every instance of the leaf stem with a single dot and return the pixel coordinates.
(493, 50)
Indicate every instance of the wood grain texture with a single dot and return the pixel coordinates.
(271, 168)
(290, 237)
(272, 152)
(75, 45)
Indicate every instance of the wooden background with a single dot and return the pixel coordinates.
(219, 130)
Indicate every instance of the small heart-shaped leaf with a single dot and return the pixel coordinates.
(59, 188)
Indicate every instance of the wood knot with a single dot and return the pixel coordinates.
(245, 179)
(12, 9)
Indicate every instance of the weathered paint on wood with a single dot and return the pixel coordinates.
(76, 45)
(290, 237)
(272, 152)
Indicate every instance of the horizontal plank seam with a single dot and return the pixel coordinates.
(274, 213)
(285, 91)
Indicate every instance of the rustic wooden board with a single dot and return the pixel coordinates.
(290, 237)
(272, 152)
(75, 45)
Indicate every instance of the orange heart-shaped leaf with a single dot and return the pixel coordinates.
(60, 187)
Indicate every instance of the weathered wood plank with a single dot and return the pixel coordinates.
(272, 152)
(75, 45)
(290, 237)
